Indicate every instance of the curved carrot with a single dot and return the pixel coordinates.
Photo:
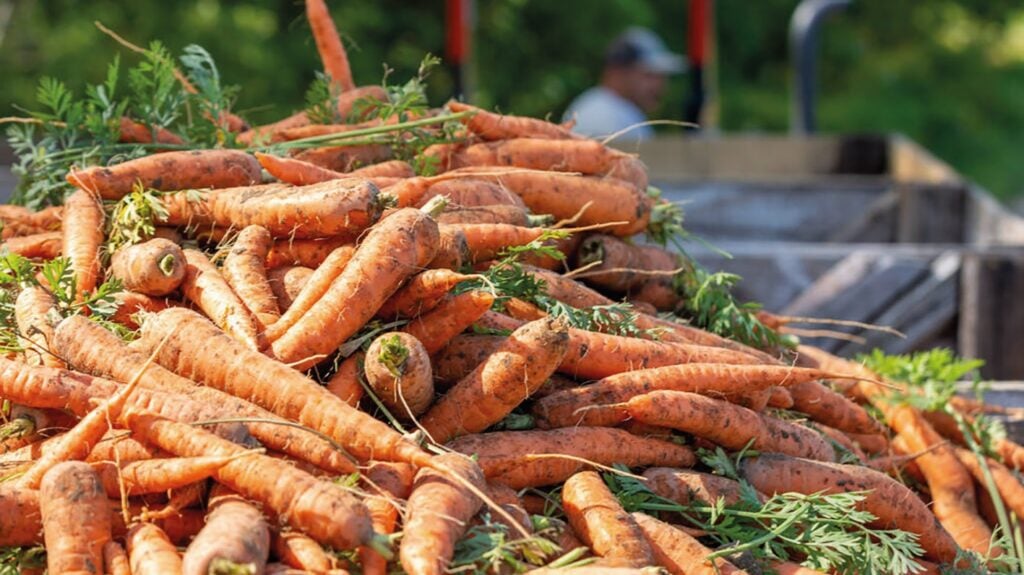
(521, 459)
(398, 370)
(33, 310)
(155, 267)
(600, 521)
(46, 245)
(296, 172)
(235, 534)
(328, 43)
(318, 283)
(267, 132)
(130, 303)
(1007, 484)
(390, 481)
(286, 282)
(491, 126)
(133, 132)
(83, 235)
(435, 328)
(245, 272)
(191, 170)
(421, 293)
(155, 475)
(150, 551)
(824, 405)
(678, 552)
(206, 287)
(76, 518)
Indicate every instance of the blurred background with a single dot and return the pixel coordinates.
(947, 73)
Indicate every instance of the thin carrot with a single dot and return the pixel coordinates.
(491, 126)
(235, 534)
(301, 552)
(307, 253)
(437, 514)
(678, 552)
(318, 283)
(824, 405)
(137, 132)
(391, 481)
(187, 170)
(521, 459)
(115, 559)
(486, 241)
(391, 252)
(728, 425)
(246, 273)
(397, 369)
(601, 522)
(46, 245)
(345, 383)
(76, 519)
(116, 445)
(296, 172)
(421, 293)
(507, 378)
(685, 486)
(1006, 483)
(435, 328)
(286, 282)
(388, 169)
(155, 267)
(150, 551)
(267, 132)
(22, 522)
(83, 235)
(34, 309)
(206, 287)
(155, 475)
(328, 43)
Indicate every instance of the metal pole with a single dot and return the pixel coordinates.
(803, 32)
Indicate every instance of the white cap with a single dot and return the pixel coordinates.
(642, 47)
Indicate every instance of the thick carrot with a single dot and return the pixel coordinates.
(462, 355)
(296, 172)
(115, 559)
(779, 398)
(150, 551)
(1006, 483)
(130, 303)
(490, 126)
(246, 273)
(894, 504)
(496, 214)
(398, 370)
(76, 519)
(206, 287)
(318, 283)
(487, 241)
(391, 252)
(435, 328)
(191, 170)
(155, 475)
(508, 377)
(421, 293)
(391, 481)
(824, 405)
(328, 43)
(452, 250)
(267, 132)
(521, 459)
(235, 534)
(685, 486)
(718, 380)
(320, 509)
(618, 266)
(388, 169)
(155, 267)
(345, 383)
(728, 425)
(198, 350)
(34, 310)
(301, 552)
(437, 514)
(468, 192)
(345, 158)
(286, 282)
(83, 235)
(678, 552)
(306, 253)
(580, 155)
(133, 132)
(600, 521)
(22, 519)
(87, 346)
(47, 245)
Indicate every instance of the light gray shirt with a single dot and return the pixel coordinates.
(601, 112)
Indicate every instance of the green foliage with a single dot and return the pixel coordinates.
(931, 375)
(490, 548)
(155, 95)
(393, 354)
(709, 304)
(15, 559)
(211, 103)
(322, 100)
(132, 219)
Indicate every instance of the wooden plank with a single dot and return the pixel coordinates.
(876, 224)
(992, 313)
(931, 214)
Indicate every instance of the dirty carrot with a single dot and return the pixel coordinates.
(45, 245)
(328, 43)
(83, 236)
(398, 371)
(235, 534)
(601, 522)
(421, 293)
(206, 287)
(315, 287)
(33, 310)
(155, 267)
(246, 273)
(76, 519)
(435, 328)
(685, 486)
(391, 481)
(286, 282)
(678, 552)
(150, 551)
(155, 475)
(491, 126)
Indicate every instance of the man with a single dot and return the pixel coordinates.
(636, 66)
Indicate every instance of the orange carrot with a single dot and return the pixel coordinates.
(47, 245)
(345, 383)
(437, 514)
(76, 519)
(894, 504)
(398, 370)
(507, 378)
(728, 425)
(150, 551)
(390, 481)
(191, 170)
(452, 250)
(345, 158)
(496, 214)
(245, 272)
(328, 43)
(22, 519)
(828, 407)
(130, 303)
(115, 559)
(468, 192)
(155, 475)
(286, 282)
(33, 311)
(1006, 483)
(206, 287)
(296, 172)
(487, 241)
(435, 328)
(685, 486)
(267, 133)
(388, 169)
(235, 534)
(521, 459)
(316, 286)
(139, 133)
(299, 551)
(490, 126)
(306, 253)
(155, 267)
(83, 235)
(420, 294)
(462, 355)
(391, 252)
(618, 266)
(678, 552)
(601, 522)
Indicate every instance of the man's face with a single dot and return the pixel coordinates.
(645, 88)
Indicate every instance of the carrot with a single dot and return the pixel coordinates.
(656, 292)
(789, 568)
(245, 272)
(487, 241)
(719, 380)
(115, 559)
(390, 481)
(490, 126)
(296, 172)
(437, 514)
(1006, 483)
(894, 504)
(87, 345)
(286, 282)
(398, 370)
(345, 383)
(46, 245)
(600, 521)
(435, 328)
(76, 519)
(156, 267)
(155, 475)
(507, 378)
(150, 551)
(22, 519)
(468, 192)
(838, 438)
(685, 486)
(318, 283)
(421, 293)
(873, 443)
(186, 170)
(731, 426)
(462, 355)
(235, 534)
(496, 214)
(320, 509)
(593, 569)
(133, 132)
(828, 407)
(206, 287)
(199, 350)
(618, 266)
(391, 252)
(267, 133)
(388, 169)
(130, 303)
(299, 551)
(345, 158)
(180, 526)
(564, 155)
(328, 43)
(521, 459)
(33, 310)
(452, 250)
(678, 552)
(116, 445)
(83, 235)
(306, 253)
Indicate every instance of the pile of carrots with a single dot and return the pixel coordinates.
(308, 356)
